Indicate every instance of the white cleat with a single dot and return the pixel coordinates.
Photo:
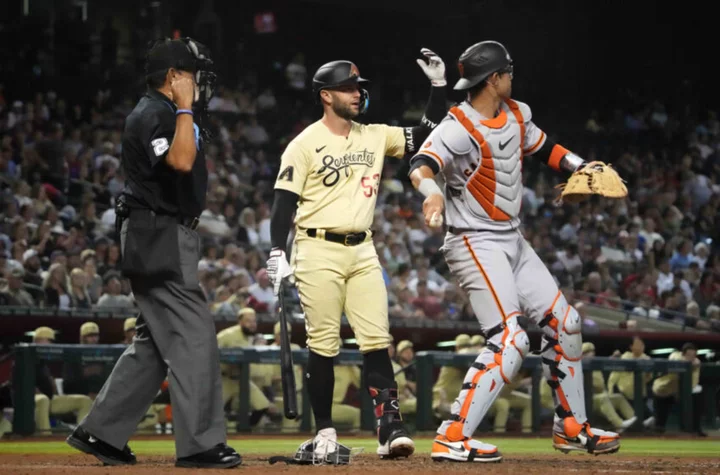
(325, 443)
(399, 444)
(467, 450)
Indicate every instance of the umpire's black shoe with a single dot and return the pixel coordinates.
(106, 453)
(220, 456)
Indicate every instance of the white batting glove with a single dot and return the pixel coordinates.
(434, 69)
(277, 268)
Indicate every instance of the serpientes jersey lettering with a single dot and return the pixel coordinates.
(481, 163)
(337, 178)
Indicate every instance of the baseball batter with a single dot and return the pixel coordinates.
(330, 173)
(478, 148)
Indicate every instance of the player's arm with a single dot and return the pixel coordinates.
(288, 188)
(536, 143)
(433, 156)
(403, 140)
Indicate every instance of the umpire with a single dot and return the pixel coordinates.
(157, 215)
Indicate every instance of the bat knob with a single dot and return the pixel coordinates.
(291, 415)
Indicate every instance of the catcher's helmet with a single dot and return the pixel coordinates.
(340, 73)
(481, 60)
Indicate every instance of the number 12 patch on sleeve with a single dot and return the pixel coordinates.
(160, 146)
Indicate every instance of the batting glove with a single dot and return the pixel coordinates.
(277, 268)
(434, 69)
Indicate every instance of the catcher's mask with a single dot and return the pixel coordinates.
(306, 455)
(184, 54)
(340, 73)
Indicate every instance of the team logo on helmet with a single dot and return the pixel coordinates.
(354, 71)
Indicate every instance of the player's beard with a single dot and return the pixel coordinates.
(345, 111)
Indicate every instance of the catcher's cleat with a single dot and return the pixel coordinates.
(466, 450)
(592, 441)
(399, 444)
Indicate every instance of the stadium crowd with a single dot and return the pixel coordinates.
(655, 254)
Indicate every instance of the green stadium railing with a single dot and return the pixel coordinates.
(28, 355)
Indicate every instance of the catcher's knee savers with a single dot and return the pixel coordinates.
(499, 363)
(562, 362)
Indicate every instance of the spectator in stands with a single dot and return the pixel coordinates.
(13, 293)
(79, 290)
(212, 222)
(55, 285)
(31, 264)
(225, 304)
(248, 231)
(262, 297)
(426, 302)
(112, 260)
(255, 134)
(93, 280)
(112, 297)
(296, 73)
(683, 256)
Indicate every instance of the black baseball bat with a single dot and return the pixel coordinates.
(287, 372)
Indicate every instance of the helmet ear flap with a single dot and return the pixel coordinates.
(364, 101)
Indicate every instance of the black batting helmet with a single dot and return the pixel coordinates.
(340, 73)
(336, 73)
(481, 60)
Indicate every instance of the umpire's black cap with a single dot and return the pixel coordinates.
(336, 73)
(479, 61)
(183, 54)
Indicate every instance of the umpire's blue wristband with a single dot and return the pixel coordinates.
(184, 111)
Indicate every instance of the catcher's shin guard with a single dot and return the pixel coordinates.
(498, 364)
(562, 364)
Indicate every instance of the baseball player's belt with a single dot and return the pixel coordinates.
(351, 239)
(455, 230)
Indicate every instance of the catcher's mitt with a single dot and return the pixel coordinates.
(595, 178)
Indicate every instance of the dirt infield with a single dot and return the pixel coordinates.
(586, 464)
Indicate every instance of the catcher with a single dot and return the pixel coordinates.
(478, 148)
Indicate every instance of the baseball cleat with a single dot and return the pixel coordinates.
(466, 450)
(399, 444)
(592, 441)
(325, 443)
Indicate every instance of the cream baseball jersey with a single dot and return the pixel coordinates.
(481, 163)
(337, 178)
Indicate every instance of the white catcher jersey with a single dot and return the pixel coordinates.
(481, 163)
